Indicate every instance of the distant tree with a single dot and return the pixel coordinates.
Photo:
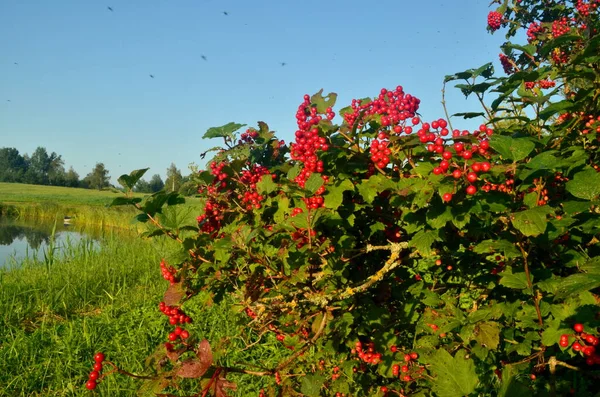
(142, 186)
(12, 165)
(98, 178)
(174, 179)
(41, 166)
(188, 188)
(156, 183)
(72, 178)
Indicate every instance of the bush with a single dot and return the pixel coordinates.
(397, 255)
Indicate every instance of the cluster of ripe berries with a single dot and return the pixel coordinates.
(451, 154)
(369, 355)
(93, 378)
(543, 84)
(584, 343)
(308, 142)
(533, 31)
(494, 20)
(585, 8)
(178, 333)
(175, 314)
(249, 136)
(251, 199)
(301, 237)
(560, 27)
(168, 272)
(507, 64)
(393, 107)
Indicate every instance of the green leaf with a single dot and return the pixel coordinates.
(557, 107)
(129, 181)
(293, 172)
(124, 201)
(311, 385)
(576, 284)
(423, 241)
(455, 376)
(322, 102)
(531, 222)
(585, 184)
(335, 194)
(376, 184)
(488, 334)
(224, 131)
(266, 184)
(515, 281)
(314, 182)
(511, 148)
(493, 246)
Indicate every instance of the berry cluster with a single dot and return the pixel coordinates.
(560, 27)
(507, 64)
(533, 31)
(494, 20)
(177, 334)
(369, 356)
(210, 221)
(249, 136)
(168, 272)
(95, 374)
(543, 84)
(392, 108)
(451, 154)
(301, 237)
(175, 314)
(584, 343)
(251, 199)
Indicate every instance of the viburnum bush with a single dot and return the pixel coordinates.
(395, 254)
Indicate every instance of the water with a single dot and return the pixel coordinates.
(20, 240)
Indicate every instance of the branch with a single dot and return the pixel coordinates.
(536, 297)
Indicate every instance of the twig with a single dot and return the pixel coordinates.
(536, 298)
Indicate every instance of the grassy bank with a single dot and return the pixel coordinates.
(53, 319)
(85, 206)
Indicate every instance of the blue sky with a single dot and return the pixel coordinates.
(81, 85)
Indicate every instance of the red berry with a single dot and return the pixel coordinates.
(98, 367)
(471, 190)
(564, 342)
(414, 355)
(91, 384)
(447, 197)
(578, 327)
(471, 177)
(99, 357)
(384, 389)
(185, 334)
(576, 347)
(94, 375)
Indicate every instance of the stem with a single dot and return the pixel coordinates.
(444, 106)
(536, 299)
(123, 372)
(306, 345)
(212, 379)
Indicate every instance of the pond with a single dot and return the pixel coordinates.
(20, 240)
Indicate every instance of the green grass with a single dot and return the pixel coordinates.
(86, 206)
(54, 318)
(23, 193)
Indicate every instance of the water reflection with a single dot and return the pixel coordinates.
(25, 239)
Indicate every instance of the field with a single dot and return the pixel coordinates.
(85, 206)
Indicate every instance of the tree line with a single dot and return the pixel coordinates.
(43, 168)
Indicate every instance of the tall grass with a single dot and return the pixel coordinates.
(53, 318)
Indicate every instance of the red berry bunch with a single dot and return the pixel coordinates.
(583, 7)
(297, 211)
(249, 136)
(494, 20)
(168, 272)
(507, 64)
(560, 27)
(93, 378)
(585, 344)
(175, 314)
(250, 178)
(559, 56)
(177, 334)
(369, 356)
(533, 31)
(250, 313)
(210, 221)
(300, 236)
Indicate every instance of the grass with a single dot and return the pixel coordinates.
(86, 206)
(55, 317)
